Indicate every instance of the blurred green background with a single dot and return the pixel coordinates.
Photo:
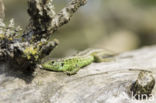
(118, 25)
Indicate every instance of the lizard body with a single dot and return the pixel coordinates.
(71, 65)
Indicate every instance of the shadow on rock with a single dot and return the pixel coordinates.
(11, 71)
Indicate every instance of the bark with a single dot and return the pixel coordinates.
(2, 14)
(26, 51)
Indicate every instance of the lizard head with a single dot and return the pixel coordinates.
(53, 65)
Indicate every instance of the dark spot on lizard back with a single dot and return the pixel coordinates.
(62, 64)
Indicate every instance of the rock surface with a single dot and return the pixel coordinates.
(97, 83)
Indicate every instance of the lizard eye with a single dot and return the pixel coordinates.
(52, 62)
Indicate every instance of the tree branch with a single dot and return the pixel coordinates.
(2, 14)
(65, 14)
(44, 21)
(27, 50)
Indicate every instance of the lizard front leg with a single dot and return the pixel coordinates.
(72, 70)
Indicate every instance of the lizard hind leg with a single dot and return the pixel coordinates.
(103, 57)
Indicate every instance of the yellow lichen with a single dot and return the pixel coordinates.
(10, 38)
(41, 43)
(2, 36)
(31, 51)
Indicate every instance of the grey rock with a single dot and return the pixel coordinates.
(106, 82)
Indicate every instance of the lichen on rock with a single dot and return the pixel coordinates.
(143, 86)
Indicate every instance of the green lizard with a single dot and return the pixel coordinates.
(72, 65)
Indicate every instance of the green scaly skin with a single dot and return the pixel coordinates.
(73, 64)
